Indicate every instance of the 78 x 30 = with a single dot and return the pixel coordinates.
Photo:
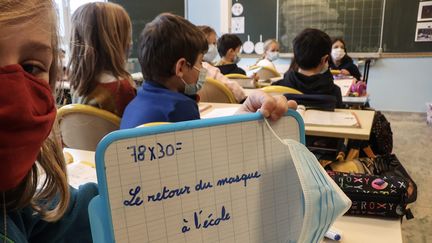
(158, 151)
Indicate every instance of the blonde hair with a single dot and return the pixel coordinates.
(55, 187)
(267, 45)
(100, 39)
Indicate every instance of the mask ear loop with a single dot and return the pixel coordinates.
(283, 141)
(290, 143)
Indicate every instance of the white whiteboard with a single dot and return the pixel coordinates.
(255, 195)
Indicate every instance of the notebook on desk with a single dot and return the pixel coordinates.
(328, 118)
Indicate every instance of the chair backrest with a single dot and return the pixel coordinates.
(153, 124)
(366, 70)
(265, 72)
(277, 89)
(314, 101)
(217, 92)
(83, 126)
(236, 75)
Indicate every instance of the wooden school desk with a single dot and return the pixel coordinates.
(366, 229)
(353, 229)
(346, 100)
(365, 118)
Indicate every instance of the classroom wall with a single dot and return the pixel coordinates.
(401, 84)
(197, 15)
(208, 12)
(395, 84)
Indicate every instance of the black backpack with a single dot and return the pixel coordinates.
(381, 137)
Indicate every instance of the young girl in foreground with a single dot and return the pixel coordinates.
(50, 211)
(100, 40)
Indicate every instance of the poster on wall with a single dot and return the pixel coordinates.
(424, 32)
(425, 11)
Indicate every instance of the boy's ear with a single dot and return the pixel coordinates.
(230, 52)
(180, 66)
(324, 59)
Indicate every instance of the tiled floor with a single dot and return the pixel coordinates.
(412, 139)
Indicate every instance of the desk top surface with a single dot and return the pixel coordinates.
(366, 229)
(348, 100)
(365, 118)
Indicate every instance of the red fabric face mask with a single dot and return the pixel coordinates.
(27, 113)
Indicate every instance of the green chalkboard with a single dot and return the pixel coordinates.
(400, 27)
(357, 21)
(144, 11)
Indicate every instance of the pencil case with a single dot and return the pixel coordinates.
(374, 195)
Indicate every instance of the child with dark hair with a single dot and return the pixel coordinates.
(228, 46)
(170, 52)
(341, 61)
(214, 72)
(312, 49)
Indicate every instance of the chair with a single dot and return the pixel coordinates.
(366, 70)
(314, 101)
(236, 76)
(335, 71)
(217, 92)
(243, 80)
(83, 126)
(266, 73)
(277, 89)
(153, 124)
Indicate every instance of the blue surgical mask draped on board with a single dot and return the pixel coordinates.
(191, 89)
(323, 200)
(272, 55)
(337, 53)
(211, 53)
(237, 59)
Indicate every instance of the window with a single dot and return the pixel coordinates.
(74, 4)
(65, 9)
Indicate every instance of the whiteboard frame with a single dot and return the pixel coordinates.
(99, 207)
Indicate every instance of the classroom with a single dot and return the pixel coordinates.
(216, 121)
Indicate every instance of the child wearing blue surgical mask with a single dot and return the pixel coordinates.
(214, 72)
(228, 46)
(211, 36)
(170, 52)
(271, 54)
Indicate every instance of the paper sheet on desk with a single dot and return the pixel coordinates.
(328, 118)
(219, 112)
(81, 173)
(344, 85)
(251, 72)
